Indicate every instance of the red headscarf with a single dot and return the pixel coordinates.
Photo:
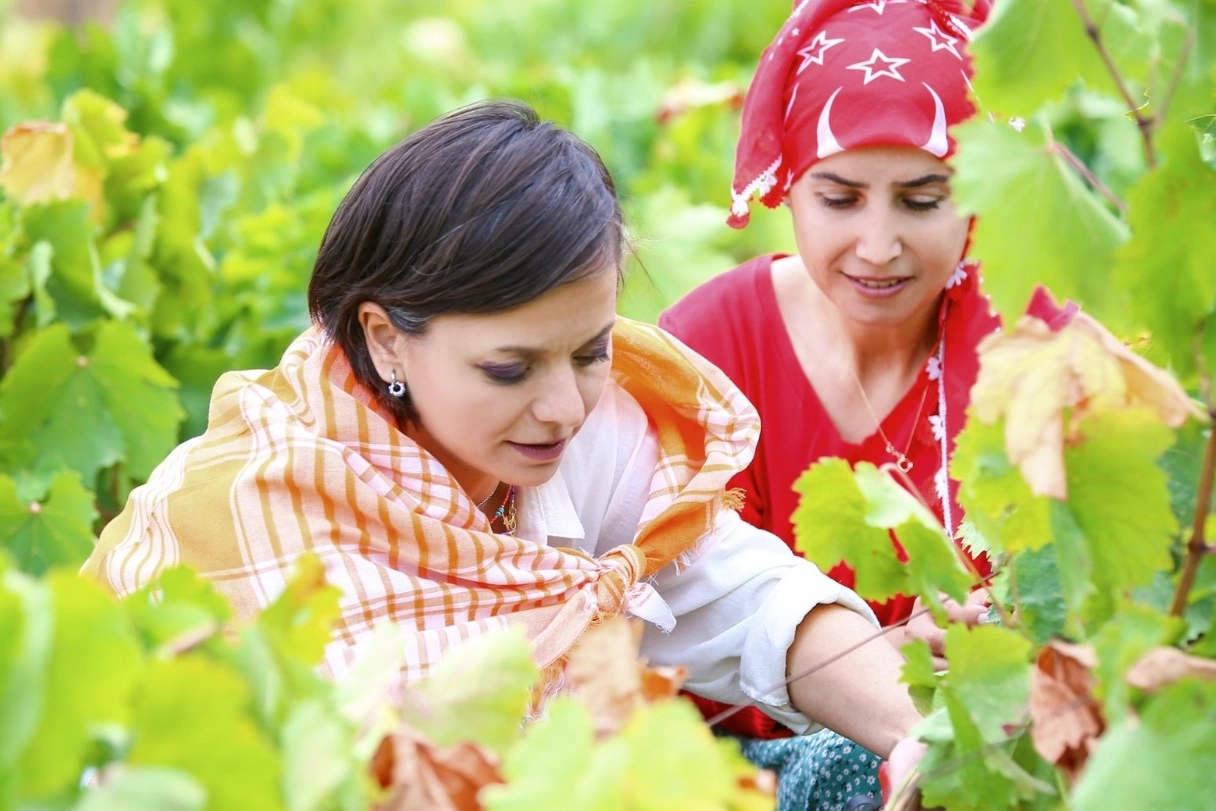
(847, 73)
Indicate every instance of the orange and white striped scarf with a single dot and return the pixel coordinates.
(299, 459)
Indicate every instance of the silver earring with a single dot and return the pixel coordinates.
(395, 387)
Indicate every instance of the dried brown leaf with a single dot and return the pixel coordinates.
(1065, 719)
(426, 777)
(1161, 667)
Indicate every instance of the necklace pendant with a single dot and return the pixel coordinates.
(903, 463)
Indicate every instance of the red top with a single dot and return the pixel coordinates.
(734, 321)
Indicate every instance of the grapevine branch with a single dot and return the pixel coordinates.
(1144, 124)
(1197, 546)
(1184, 53)
(1090, 178)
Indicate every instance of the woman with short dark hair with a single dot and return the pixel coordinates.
(469, 438)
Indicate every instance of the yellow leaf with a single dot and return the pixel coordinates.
(37, 162)
(1044, 382)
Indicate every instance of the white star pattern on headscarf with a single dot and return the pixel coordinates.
(939, 39)
(890, 68)
(819, 45)
(878, 5)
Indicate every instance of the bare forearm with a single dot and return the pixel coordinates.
(859, 695)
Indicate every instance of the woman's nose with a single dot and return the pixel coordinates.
(878, 241)
(561, 402)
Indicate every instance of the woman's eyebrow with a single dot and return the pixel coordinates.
(835, 178)
(924, 181)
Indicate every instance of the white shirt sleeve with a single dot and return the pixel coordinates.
(737, 605)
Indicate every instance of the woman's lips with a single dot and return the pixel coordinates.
(540, 452)
(878, 288)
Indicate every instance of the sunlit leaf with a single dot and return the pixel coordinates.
(1031, 51)
(478, 692)
(1023, 187)
(144, 789)
(37, 162)
(993, 492)
(225, 751)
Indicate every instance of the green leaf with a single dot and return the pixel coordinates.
(1163, 759)
(138, 394)
(675, 760)
(1075, 566)
(990, 674)
(831, 524)
(478, 692)
(993, 493)
(14, 288)
(26, 635)
(177, 608)
(1031, 51)
(145, 789)
(75, 280)
(89, 626)
(551, 767)
(1133, 632)
(1021, 186)
(1041, 609)
(1118, 496)
(54, 531)
(1169, 265)
(224, 749)
(318, 756)
(90, 411)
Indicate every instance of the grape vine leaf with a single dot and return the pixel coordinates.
(1119, 499)
(993, 492)
(1167, 265)
(318, 756)
(226, 751)
(56, 530)
(422, 776)
(89, 626)
(847, 515)
(37, 162)
(110, 405)
(14, 287)
(1043, 382)
(1065, 720)
(145, 789)
(990, 674)
(1165, 758)
(1120, 644)
(565, 744)
(479, 692)
(1040, 601)
(1022, 186)
(1031, 51)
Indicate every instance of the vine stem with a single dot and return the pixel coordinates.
(1197, 547)
(1145, 124)
(1090, 178)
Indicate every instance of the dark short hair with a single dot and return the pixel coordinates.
(481, 211)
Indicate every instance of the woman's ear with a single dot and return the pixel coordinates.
(384, 341)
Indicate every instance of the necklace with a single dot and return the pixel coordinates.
(505, 514)
(483, 501)
(901, 459)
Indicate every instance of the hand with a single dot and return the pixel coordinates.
(922, 625)
(897, 770)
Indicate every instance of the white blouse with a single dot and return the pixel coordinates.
(735, 607)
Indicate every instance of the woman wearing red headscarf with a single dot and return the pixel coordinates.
(863, 344)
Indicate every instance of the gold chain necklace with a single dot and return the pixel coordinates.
(902, 462)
